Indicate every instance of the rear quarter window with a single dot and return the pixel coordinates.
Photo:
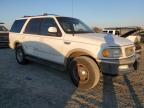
(46, 23)
(17, 26)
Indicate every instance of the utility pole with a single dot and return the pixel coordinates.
(72, 8)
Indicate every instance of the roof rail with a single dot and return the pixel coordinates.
(27, 16)
(45, 14)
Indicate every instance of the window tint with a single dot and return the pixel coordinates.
(33, 26)
(48, 22)
(17, 26)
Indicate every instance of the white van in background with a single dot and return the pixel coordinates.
(131, 33)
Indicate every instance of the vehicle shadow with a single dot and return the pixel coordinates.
(133, 94)
(105, 95)
(35, 85)
(109, 94)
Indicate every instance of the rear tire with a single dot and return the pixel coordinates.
(84, 72)
(20, 55)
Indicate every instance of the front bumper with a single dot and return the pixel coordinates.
(114, 66)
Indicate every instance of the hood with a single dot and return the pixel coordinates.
(100, 38)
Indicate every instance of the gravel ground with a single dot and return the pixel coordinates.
(41, 86)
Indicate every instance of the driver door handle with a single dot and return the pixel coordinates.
(67, 42)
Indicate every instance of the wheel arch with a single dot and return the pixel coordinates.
(76, 53)
(16, 44)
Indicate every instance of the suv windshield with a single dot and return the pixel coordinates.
(72, 25)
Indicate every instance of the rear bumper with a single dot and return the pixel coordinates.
(113, 67)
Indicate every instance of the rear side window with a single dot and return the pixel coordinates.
(33, 27)
(17, 26)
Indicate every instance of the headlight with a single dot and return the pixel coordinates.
(112, 52)
(129, 51)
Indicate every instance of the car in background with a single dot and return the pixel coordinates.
(135, 36)
(4, 36)
(131, 33)
(114, 32)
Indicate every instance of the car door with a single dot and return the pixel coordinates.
(31, 37)
(52, 43)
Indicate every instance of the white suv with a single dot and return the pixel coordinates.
(70, 42)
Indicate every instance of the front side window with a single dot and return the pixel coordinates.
(17, 26)
(72, 25)
(46, 23)
(33, 26)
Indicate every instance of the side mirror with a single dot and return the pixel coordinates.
(52, 30)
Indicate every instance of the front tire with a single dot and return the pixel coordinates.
(84, 72)
(20, 55)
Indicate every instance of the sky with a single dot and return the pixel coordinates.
(99, 13)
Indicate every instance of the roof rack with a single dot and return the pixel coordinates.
(45, 14)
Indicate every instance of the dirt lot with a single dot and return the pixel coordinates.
(41, 86)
